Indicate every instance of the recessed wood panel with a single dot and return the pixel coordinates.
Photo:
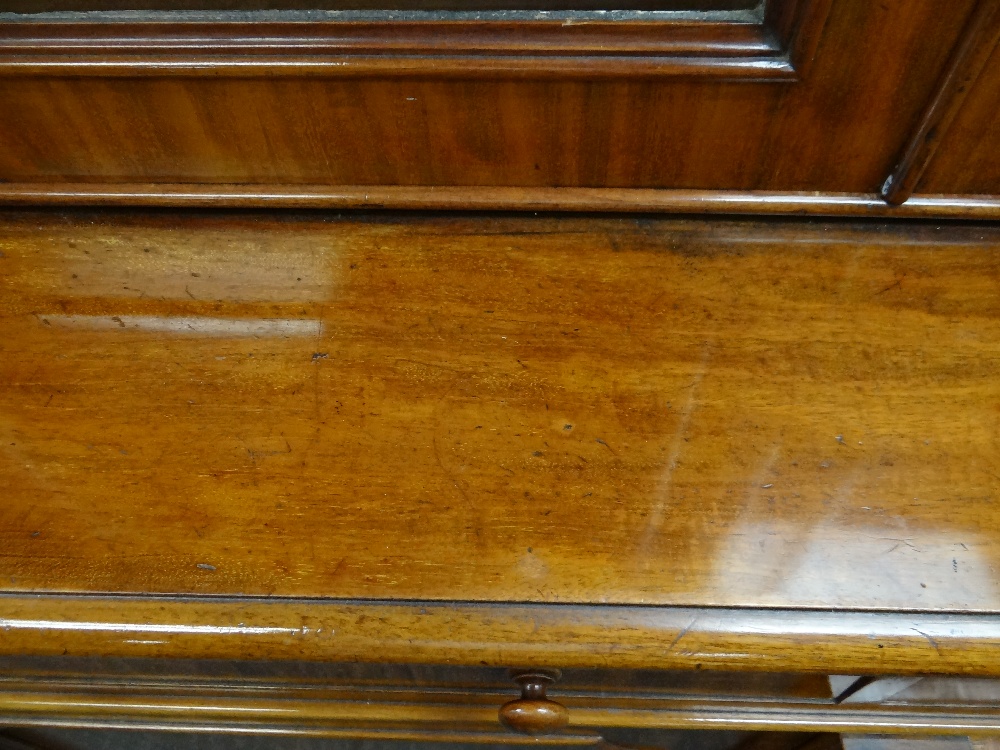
(239, 120)
(612, 412)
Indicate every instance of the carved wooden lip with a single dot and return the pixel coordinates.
(501, 634)
(622, 42)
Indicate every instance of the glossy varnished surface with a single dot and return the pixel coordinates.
(968, 162)
(621, 411)
(416, 120)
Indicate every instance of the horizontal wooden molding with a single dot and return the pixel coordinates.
(455, 66)
(64, 712)
(488, 198)
(502, 635)
(755, 46)
(466, 716)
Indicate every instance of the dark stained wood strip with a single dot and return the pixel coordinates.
(744, 46)
(457, 66)
(396, 48)
(269, 41)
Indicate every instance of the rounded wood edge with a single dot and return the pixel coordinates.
(458, 66)
(534, 713)
(481, 198)
(534, 717)
(502, 634)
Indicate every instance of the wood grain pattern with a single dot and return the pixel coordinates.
(501, 635)
(620, 412)
(534, 713)
(521, 39)
(461, 712)
(762, 43)
(489, 198)
(589, 47)
(838, 130)
(968, 160)
(978, 42)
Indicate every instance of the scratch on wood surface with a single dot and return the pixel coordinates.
(929, 639)
(684, 632)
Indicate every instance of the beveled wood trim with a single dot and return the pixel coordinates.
(798, 25)
(978, 40)
(489, 198)
(454, 66)
(502, 635)
(268, 40)
(734, 47)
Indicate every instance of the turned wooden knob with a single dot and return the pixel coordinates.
(533, 712)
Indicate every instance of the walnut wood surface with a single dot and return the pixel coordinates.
(733, 46)
(978, 42)
(968, 161)
(200, 117)
(501, 635)
(615, 411)
(487, 198)
(534, 713)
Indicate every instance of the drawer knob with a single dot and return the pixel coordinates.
(533, 713)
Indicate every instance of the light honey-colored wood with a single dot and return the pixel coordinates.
(526, 443)
(609, 412)
(459, 423)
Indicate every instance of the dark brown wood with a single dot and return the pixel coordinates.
(741, 42)
(737, 45)
(799, 25)
(975, 47)
(201, 115)
(968, 160)
(533, 713)
(790, 741)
